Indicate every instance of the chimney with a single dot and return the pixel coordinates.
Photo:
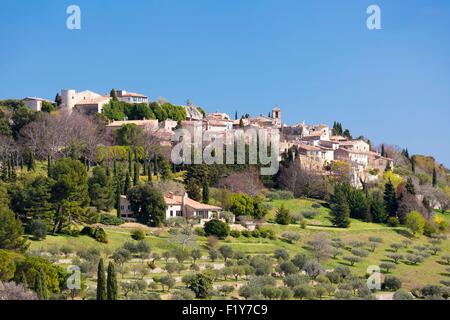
(170, 195)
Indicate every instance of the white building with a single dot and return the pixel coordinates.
(87, 102)
(177, 206)
(131, 97)
(35, 104)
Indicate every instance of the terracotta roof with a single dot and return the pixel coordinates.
(133, 94)
(95, 100)
(178, 200)
(37, 99)
(136, 122)
(308, 147)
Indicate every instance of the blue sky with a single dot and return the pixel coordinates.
(315, 59)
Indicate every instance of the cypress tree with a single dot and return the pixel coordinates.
(49, 164)
(115, 168)
(155, 165)
(118, 194)
(205, 191)
(40, 286)
(390, 199)
(236, 115)
(383, 152)
(413, 164)
(149, 172)
(136, 174)
(127, 185)
(410, 186)
(130, 166)
(23, 280)
(101, 283)
(435, 180)
(340, 210)
(111, 283)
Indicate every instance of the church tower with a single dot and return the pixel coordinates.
(276, 115)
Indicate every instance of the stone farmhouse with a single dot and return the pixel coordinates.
(177, 206)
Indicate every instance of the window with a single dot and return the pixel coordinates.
(202, 214)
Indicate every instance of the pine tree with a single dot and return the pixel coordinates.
(40, 286)
(127, 185)
(340, 210)
(101, 282)
(390, 199)
(111, 285)
(435, 180)
(410, 186)
(205, 191)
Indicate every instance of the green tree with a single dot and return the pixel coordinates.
(118, 197)
(390, 199)
(40, 286)
(148, 205)
(283, 216)
(205, 191)
(410, 186)
(340, 211)
(69, 192)
(415, 222)
(127, 184)
(113, 94)
(100, 189)
(11, 231)
(377, 208)
(435, 179)
(101, 281)
(201, 285)
(217, 228)
(111, 283)
(129, 135)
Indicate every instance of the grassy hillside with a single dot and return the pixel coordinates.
(431, 271)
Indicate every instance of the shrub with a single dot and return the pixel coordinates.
(279, 195)
(235, 233)
(217, 228)
(200, 232)
(403, 295)
(97, 233)
(430, 290)
(392, 283)
(309, 213)
(360, 253)
(281, 254)
(38, 229)
(138, 234)
(393, 222)
(415, 222)
(290, 237)
(303, 291)
(414, 259)
(267, 233)
(297, 218)
(246, 233)
(111, 220)
(256, 233)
